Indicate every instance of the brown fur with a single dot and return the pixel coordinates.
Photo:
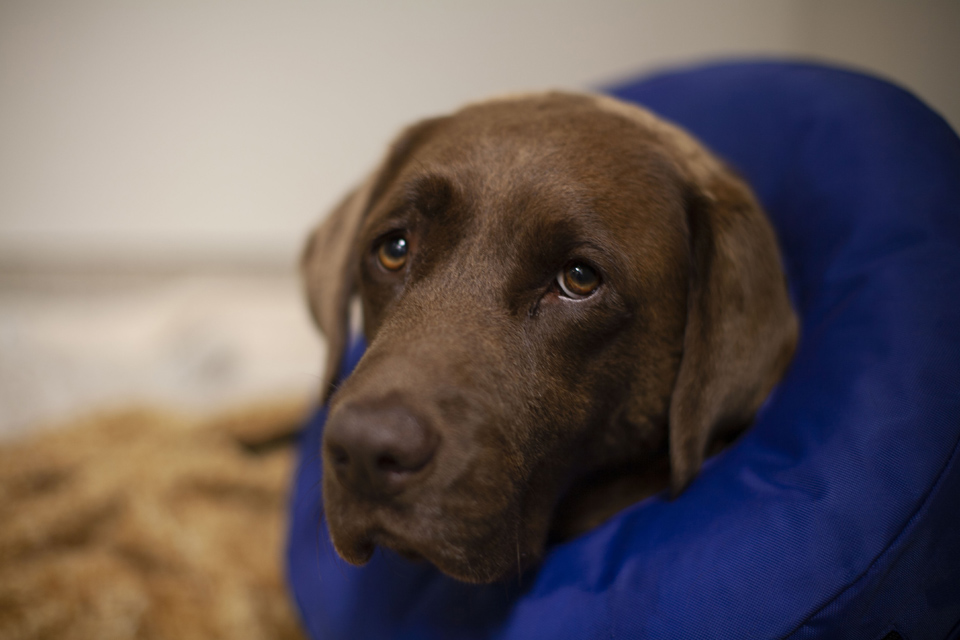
(540, 412)
(146, 524)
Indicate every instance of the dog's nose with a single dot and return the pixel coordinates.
(378, 452)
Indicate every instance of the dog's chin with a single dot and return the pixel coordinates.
(480, 562)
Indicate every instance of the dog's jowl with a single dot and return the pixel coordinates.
(567, 302)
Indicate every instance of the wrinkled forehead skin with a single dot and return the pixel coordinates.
(527, 390)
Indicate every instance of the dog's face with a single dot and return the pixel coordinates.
(551, 286)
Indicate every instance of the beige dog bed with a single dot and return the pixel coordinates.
(148, 524)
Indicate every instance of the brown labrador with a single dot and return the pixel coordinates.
(566, 299)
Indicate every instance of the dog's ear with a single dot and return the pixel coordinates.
(741, 330)
(329, 272)
(330, 261)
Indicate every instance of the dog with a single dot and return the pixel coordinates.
(567, 302)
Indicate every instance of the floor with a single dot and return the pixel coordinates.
(73, 343)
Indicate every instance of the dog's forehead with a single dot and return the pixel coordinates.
(559, 132)
(551, 155)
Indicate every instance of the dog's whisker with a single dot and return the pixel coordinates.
(519, 563)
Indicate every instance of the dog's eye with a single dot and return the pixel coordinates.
(392, 253)
(578, 280)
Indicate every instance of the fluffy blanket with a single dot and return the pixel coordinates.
(148, 524)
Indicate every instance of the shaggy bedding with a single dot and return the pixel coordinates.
(148, 524)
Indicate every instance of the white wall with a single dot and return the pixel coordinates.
(187, 132)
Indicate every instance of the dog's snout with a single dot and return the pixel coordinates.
(378, 451)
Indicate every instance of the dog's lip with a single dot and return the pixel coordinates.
(465, 561)
(405, 527)
(397, 544)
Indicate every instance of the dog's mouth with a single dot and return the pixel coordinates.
(397, 544)
(482, 549)
(453, 560)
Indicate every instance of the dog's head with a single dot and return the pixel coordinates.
(551, 285)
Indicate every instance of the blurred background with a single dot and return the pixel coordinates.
(162, 162)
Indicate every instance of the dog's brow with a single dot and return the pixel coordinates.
(430, 194)
(422, 197)
(395, 217)
(566, 232)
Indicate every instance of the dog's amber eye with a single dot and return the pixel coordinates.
(392, 253)
(578, 280)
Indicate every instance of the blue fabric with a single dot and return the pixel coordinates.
(838, 514)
